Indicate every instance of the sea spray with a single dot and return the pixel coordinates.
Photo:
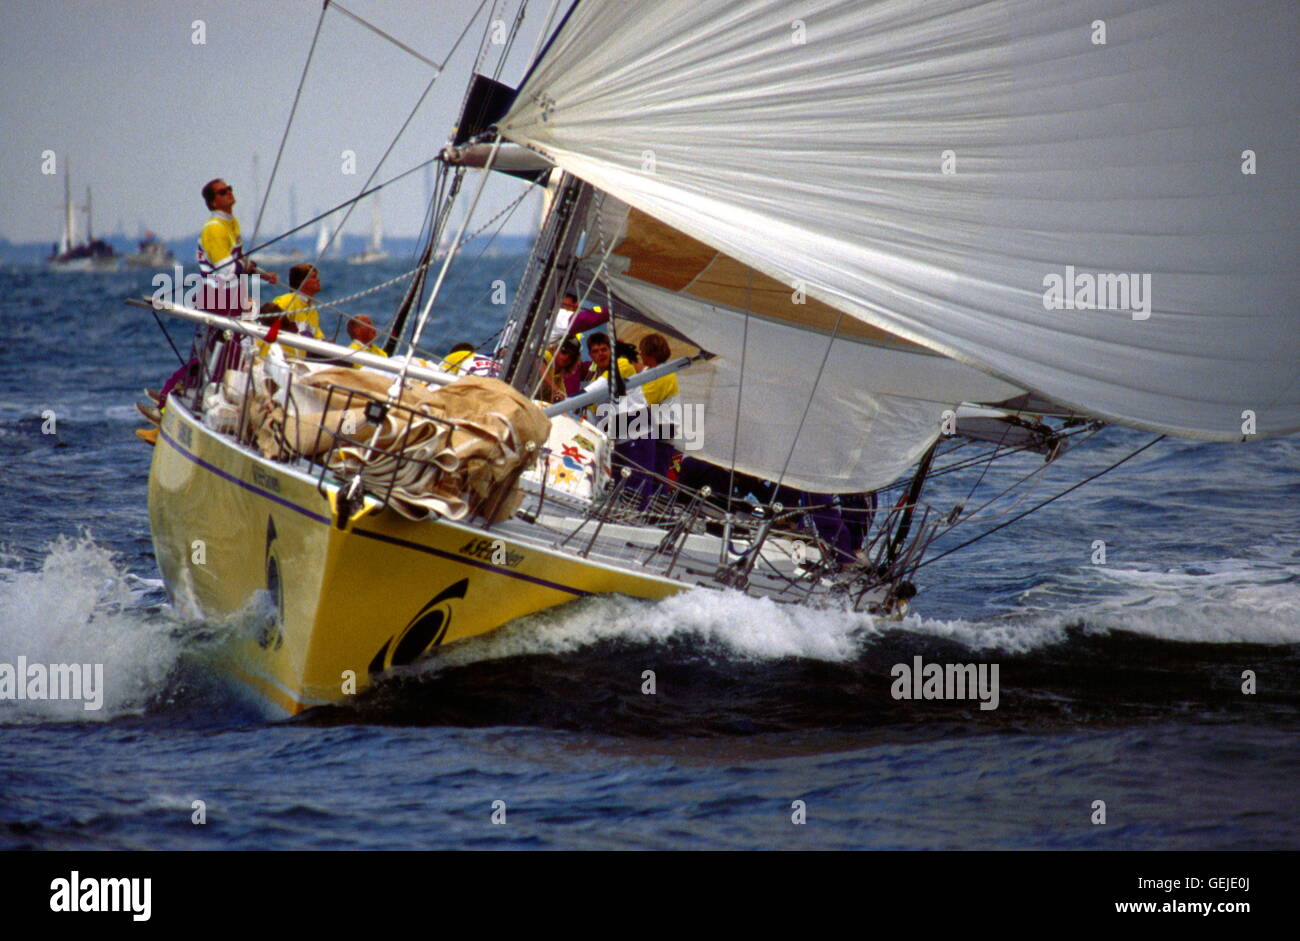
(77, 609)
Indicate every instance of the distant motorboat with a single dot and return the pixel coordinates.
(153, 253)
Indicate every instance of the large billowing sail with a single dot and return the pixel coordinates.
(1097, 204)
(769, 405)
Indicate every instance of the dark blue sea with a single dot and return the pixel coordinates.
(1119, 682)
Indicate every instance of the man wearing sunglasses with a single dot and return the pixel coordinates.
(221, 254)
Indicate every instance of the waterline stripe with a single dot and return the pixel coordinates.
(240, 483)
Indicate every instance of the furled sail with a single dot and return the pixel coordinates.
(1096, 205)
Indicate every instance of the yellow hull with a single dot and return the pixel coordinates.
(343, 602)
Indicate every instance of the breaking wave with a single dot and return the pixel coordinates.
(745, 659)
(81, 607)
(1235, 601)
(1082, 649)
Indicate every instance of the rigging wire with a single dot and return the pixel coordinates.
(740, 390)
(330, 212)
(510, 40)
(451, 253)
(970, 516)
(153, 311)
(444, 193)
(614, 383)
(423, 257)
(421, 269)
(482, 48)
(402, 130)
(393, 39)
(1039, 506)
(543, 33)
(794, 442)
(288, 125)
(984, 457)
(979, 480)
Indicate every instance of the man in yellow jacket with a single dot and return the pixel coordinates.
(296, 314)
(304, 281)
(221, 254)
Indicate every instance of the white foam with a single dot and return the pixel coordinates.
(737, 626)
(1230, 600)
(1227, 601)
(77, 609)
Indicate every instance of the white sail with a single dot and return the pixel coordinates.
(865, 426)
(376, 230)
(322, 239)
(936, 168)
(856, 424)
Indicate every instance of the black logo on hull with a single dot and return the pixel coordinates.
(271, 633)
(426, 631)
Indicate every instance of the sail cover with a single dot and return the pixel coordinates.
(1099, 205)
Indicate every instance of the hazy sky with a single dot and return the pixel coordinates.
(145, 115)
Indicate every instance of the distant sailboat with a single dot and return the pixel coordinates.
(272, 257)
(375, 250)
(70, 255)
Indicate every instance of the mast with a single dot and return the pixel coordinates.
(90, 229)
(549, 272)
(257, 185)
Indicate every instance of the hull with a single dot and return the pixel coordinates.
(319, 606)
(83, 264)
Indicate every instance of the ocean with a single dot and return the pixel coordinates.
(1160, 688)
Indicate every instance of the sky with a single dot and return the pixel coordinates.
(142, 113)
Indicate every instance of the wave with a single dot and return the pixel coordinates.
(81, 607)
(746, 659)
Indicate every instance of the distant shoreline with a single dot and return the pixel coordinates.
(35, 253)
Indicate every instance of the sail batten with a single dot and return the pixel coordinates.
(936, 169)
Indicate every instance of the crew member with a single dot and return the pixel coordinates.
(362, 331)
(459, 353)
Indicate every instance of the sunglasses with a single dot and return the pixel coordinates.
(223, 192)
